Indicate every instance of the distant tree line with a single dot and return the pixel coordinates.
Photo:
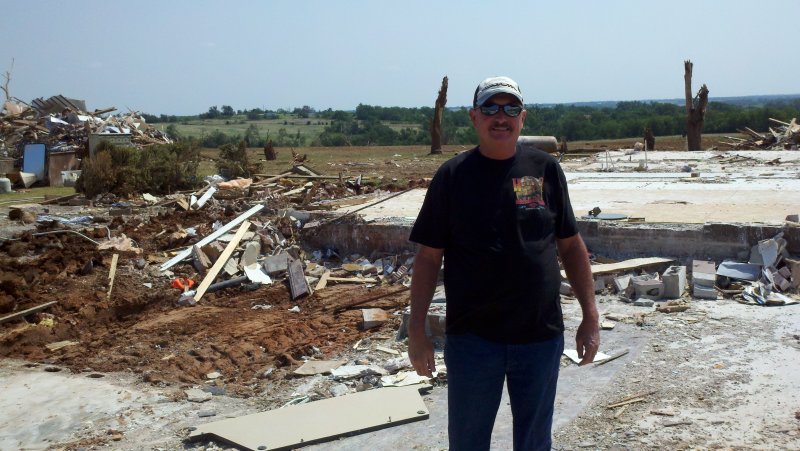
(377, 125)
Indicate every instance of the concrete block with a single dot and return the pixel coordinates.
(794, 268)
(643, 303)
(704, 280)
(781, 282)
(599, 284)
(702, 266)
(622, 283)
(704, 292)
(648, 289)
(674, 281)
(434, 326)
(276, 263)
(373, 317)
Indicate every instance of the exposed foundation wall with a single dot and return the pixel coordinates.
(683, 242)
(362, 239)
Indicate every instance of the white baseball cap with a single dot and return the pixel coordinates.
(493, 86)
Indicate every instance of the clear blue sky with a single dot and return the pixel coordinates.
(182, 56)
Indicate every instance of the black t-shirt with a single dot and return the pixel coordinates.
(497, 221)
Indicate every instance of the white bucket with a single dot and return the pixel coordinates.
(5, 185)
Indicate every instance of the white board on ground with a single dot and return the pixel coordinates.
(320, 421)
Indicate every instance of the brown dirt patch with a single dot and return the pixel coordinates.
(143, 330)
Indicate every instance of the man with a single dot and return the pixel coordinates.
(499, 216)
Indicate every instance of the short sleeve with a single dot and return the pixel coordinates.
(565, 224)
(432, 224)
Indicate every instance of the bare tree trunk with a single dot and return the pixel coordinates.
(436, 122)
(269, 151)
(562, 145)
(649, 139)
(695, 109)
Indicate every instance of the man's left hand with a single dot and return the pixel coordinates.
(587, 340)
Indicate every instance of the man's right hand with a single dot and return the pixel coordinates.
(420, 353)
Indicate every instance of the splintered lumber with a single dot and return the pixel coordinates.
(625, 403)
(221, 231)
(639, 397)
(273, 178)
(223, 258)
(626, 265)
(323, 281)
(56, 200)
(352, 279)
(779, 122)
(113, 273)
(27, 312)
(753, 133)
(370, 299)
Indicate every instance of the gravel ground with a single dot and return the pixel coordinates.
(721, 375)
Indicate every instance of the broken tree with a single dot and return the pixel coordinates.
(436, 122)
(695, 108)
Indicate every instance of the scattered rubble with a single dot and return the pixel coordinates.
(783, 136)
(64, 125)
(213, 290)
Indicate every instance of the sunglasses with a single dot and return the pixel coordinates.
(490, 109)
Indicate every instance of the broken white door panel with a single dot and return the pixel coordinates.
(204, 198)
(319, 421)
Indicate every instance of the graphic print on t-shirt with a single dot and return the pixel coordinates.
(529, 192)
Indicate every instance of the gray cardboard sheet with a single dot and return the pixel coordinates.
(319, 421)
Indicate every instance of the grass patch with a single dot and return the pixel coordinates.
(35, 195)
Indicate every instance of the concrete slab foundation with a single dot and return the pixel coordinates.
(739, 199)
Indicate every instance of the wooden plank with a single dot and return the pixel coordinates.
(323, 281)
(299, 425)
(221, 231)
(223, 258)
(370, 299)
(272, 179)
(27, 312)
(299, 176)
(56, 200)
(353, 279)
(112, 273)
(626, 265)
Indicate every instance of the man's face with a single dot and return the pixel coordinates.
(498, 128)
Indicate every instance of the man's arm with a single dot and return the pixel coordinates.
(423, 283)
(575, 259)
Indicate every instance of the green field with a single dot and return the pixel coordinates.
(197, 128)
(34, 195)
(309, 129)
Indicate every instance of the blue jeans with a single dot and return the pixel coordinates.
(476, 370)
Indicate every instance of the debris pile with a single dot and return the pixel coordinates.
(783, 136)
(770, 277)
(62, 126)
(214, 266)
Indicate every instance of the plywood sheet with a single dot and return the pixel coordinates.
(626, 265)
(311, 367)
(321, 420)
